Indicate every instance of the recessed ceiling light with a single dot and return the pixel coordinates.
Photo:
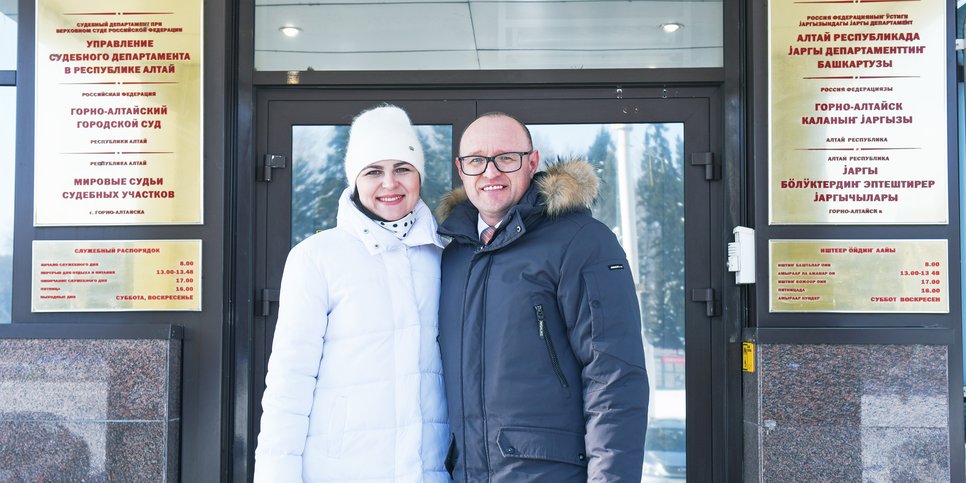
(671, 27)
(290, 30)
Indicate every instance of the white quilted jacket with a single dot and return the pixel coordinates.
(354, 386)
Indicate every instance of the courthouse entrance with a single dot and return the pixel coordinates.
(658, 153)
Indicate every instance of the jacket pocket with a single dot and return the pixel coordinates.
(542, 444)
(450, 462)
(614, 311)
(548, 342)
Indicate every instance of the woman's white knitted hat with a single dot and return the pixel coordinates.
(381, 133)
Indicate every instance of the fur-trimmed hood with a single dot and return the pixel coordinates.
(563, 187)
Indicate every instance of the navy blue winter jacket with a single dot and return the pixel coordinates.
(540, 333)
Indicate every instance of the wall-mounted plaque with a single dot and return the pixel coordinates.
(858, 112)
(117, 136)
(858, 276)
(108, 276)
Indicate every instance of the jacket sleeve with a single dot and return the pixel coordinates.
(598, 298)
(292, 370)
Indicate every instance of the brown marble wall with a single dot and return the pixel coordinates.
(830, 412)
(92, 410)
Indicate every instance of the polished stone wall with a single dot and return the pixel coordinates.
(92, 410)
(849, 412)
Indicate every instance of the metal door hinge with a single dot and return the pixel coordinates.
(268, 296)
(705, 295)
(271, 161)
(711, 171)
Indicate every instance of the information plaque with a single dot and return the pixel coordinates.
(117, 133)
(858, 113)
(858, 276)
(107, 276)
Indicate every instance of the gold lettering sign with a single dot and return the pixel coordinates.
(859, 276)
(101, 276)
(118, 113)
(857, 109)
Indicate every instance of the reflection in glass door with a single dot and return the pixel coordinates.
(642, 201)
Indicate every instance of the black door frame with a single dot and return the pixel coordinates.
(730, 132)
(717, 367)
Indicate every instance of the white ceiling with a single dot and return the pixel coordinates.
(475, 35)
(9, 8)
(482, 34)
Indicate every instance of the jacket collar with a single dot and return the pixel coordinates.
(376, 238)
(564, 187)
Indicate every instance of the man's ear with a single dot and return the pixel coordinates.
(534, 162)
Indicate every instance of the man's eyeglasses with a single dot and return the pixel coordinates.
(505, 163)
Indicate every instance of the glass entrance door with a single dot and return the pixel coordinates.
(651, 197)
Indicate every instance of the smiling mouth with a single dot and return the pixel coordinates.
(389, 199)
(493, 187)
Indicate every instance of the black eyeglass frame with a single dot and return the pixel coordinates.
(492, 159)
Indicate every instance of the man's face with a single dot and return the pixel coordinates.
(493, 193)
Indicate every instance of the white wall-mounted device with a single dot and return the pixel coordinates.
(741, 255)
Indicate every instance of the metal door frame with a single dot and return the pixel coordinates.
(710, 368)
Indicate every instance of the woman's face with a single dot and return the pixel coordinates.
(388, 188)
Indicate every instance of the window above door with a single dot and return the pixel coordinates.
(392, 35)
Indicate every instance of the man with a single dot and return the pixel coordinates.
(540, 329)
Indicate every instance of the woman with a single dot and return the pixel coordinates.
(354, 389)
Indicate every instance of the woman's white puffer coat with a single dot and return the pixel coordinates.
(354, 390)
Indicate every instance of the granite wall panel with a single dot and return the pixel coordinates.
(89, 409)
(847, 412)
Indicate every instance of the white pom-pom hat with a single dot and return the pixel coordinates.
(381, 133)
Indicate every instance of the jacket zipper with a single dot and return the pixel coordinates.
(483, 412)
(554, 361)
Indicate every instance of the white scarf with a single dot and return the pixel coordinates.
(400, 227)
